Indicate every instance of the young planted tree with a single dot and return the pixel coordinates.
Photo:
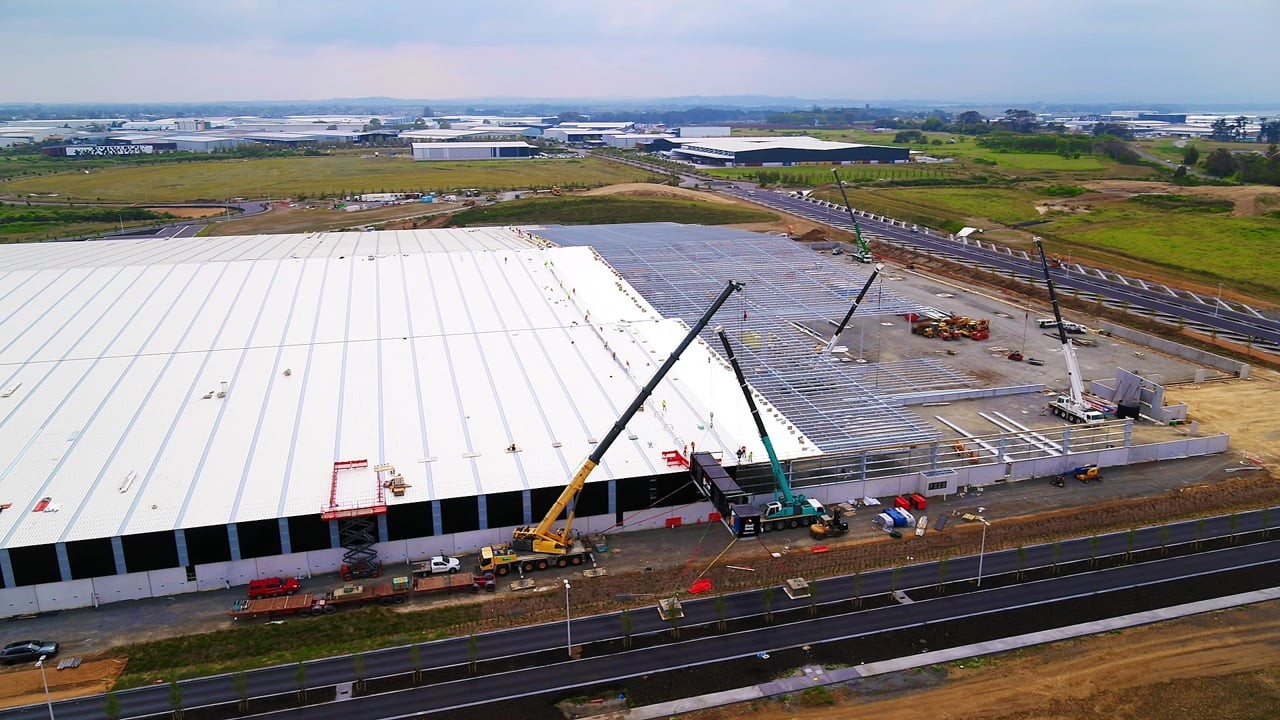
(1022, 561)
(300, 676)
(1056, 549)
(1199, 533)
(857, 588)
(720, 611)
(766, 598)
(1093, 550)
(175, 699)
(942, 575)
(1130, 538)
(240, 681)
(1164, 539)
(473, 652)
(415, 655)
(625, 617)
(357, 665)
(111, 706)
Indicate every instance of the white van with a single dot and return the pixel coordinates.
(1047, 323)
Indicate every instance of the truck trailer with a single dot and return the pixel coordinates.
(394, 592)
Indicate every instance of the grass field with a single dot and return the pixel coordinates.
(608, 209)
(1211, 248)
(287, 643)
(821, 174)
(310, 177)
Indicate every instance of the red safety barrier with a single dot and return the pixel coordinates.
(675, 522)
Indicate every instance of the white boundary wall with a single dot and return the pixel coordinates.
(212, 576)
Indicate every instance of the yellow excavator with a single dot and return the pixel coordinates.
(536, 547)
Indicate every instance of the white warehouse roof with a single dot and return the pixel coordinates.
(152, 385)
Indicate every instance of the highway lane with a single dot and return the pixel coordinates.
(1264, 558)
(1152, 299)
(589, 629)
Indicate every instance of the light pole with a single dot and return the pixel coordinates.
(47, 700)
(982, 549)
(1218, 302)
(568, 628)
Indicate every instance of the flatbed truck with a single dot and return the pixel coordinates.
(395, 592)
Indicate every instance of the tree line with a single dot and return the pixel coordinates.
(10, 215)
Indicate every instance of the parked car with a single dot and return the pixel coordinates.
(28, 651)
(436, 565)
(272, 587)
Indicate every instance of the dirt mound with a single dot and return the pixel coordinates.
(651, 190)
(1248, 199)
(814, 235)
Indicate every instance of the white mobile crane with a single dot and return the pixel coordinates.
(863, 255)
(1071, 408)
(535, 547)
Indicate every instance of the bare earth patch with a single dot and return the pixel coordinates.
(24, 686)
(665, 191)
(1248, 199)
(1222, 663)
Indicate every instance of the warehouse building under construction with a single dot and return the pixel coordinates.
(193, 413)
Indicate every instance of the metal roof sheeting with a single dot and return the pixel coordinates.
(152, 385)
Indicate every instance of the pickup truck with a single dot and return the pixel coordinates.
(272, 587)
(436, 565)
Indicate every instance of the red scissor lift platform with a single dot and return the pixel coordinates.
(357, 528)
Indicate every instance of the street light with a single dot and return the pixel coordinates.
(47, 700)
(1218, 302)
(982, 548)
(568, 628)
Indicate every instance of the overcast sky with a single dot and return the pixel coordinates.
(1158, 51)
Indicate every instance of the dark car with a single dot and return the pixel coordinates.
(27, 651)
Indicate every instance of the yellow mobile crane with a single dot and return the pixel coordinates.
(536, 547)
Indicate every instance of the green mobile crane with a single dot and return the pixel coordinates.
(789, 508)
(864, 251)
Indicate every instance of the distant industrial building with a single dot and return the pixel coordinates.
(471, 134)
(631, 140)
(784, 151)
(473, 151)
(107, 150)
(579, 135)
(206, 143)
(693, 131)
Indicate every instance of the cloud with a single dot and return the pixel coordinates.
(153, 50)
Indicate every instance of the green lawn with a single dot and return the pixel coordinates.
(607, 209)
(1210, 247)
(328, 176)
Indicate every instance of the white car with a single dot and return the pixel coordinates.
(436, 565)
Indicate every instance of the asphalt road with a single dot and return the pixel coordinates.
(536, 638)
(1152, 298)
